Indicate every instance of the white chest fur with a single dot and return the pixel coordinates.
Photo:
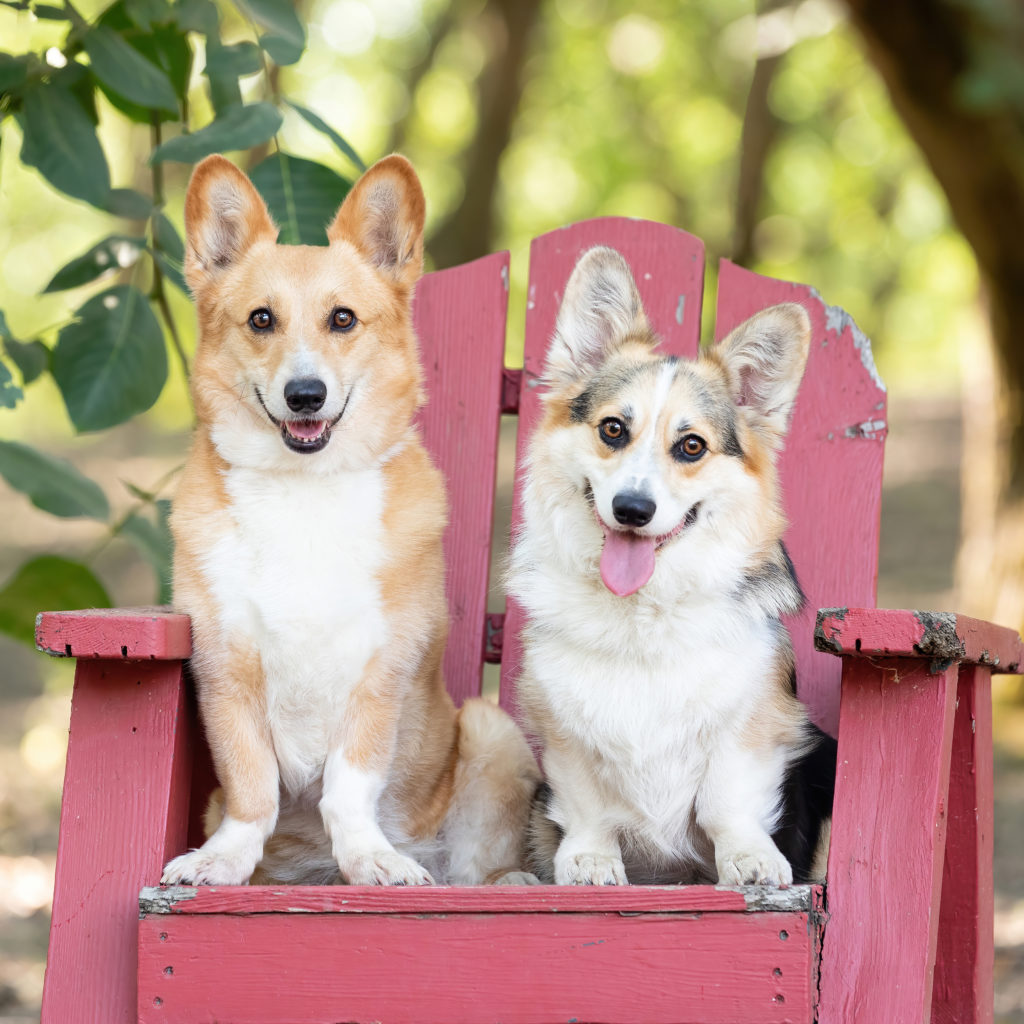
(295, 576)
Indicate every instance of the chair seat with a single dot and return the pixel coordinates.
(547, 953)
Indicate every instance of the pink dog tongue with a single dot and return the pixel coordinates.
(627, 561)
(306, 429)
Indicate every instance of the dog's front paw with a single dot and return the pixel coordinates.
(517, 878)
(589, 869)
(753, 866)
(383, 867)
(203, 867)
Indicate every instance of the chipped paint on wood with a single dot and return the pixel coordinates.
(838, 320)
(163, 899)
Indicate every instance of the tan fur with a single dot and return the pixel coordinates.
(397, 722)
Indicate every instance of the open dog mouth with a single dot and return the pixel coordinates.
(305, 434)
(628, 557)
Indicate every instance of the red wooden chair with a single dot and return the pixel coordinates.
(902, 932)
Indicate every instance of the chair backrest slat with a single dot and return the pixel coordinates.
(460, 320)
(831, 470)
(668, 265)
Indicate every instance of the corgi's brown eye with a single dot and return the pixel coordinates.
(260, 319)
(613, 432)
(690, 449)
(343, 319)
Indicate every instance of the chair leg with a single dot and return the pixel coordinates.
(964, 962)
(123, 812)
(888, 840)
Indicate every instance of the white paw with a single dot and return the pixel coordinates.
(762, 865)
(518, 878)
(589, 869)
(383, 867)
(204, 867)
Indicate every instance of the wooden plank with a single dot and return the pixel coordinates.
(134, 633)
(124, 813)
(964, 960)
(460, 320)
(888, 840)
(503, 899)
(940, 636)
(512, 968)
(831, 469)
(668, 265)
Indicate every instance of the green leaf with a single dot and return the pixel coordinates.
(147, 13)
(225, 92)
(172, 271)
(10, 393)
(51, 484)
(13, 71)
(280, 50)
(47, 583)
(197, 16)
(322, 126)
(167, 238)
(277, 16)
(303, 196)
(122, 68)
(111, 362)
(113, 253)
(30, 357)
(157, 547)
(60, 142)
(234, 61)
(164, 46)
(129, 204)
(47, 12)
(236, 128)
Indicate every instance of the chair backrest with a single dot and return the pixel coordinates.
(831, 468)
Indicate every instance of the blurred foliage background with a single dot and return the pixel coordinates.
(874, 150)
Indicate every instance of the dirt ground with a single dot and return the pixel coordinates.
(919, 531)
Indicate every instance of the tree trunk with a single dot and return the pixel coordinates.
(467, 234)
(924, 50)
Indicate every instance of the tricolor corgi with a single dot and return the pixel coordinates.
(657, 674)
(307, 533)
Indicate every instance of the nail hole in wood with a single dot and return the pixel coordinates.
(168, 970)
(157, 1001)
(777, 972)
(163, 936)
(783, 935)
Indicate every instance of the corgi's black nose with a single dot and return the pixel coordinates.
(632, 509)
(306, 394)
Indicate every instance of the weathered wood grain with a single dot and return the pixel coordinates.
(668, 265)
(134, 633)
(830, 470)
(940, 636)
(502, 899)
(304, 968)
(888, 840)
(964, 959)
(124, 813)
(460, 320)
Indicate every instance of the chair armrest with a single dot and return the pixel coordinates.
(133, 634)
(942, 637)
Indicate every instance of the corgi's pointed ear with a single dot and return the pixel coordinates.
(383, 218)
(764, 359)
(600, 310)
(224, 215)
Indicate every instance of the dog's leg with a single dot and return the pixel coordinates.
(495, 779)
(354, 777)
(243, 755)
(736, 806)
(589, 853)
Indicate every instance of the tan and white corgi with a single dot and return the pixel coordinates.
(657, 673)
(308, 552)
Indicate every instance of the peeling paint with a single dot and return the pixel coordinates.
(504, 277)
(837, 319)
(680, 309)
(939, 641)
(827, 644)
(869, 429)
(792, 899)
(531, 296)
(160, 899)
